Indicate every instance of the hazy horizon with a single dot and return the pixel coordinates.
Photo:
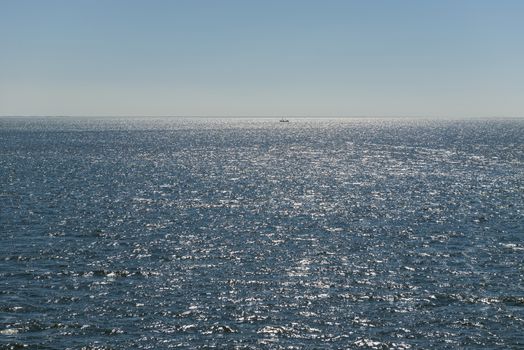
(429, 117)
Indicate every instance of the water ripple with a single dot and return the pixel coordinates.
(245, 233)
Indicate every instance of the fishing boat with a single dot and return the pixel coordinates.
(283, 120)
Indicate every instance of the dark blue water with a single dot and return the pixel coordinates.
(255, 234)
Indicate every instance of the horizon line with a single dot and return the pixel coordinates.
(263, 116)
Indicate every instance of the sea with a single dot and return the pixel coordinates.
(250, 233)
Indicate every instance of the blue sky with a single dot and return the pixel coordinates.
(262, 57)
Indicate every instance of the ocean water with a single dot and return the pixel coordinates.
(130, 233)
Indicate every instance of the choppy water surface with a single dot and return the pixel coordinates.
(238, 233)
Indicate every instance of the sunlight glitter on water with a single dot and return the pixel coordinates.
(331, 233)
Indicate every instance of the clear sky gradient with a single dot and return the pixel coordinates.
(262, 57)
